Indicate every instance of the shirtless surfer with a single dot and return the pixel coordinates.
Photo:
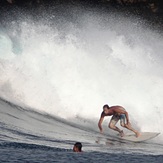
(117, 113)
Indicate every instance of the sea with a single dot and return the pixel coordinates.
(58, 67)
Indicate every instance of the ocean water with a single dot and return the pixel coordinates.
(59, 68)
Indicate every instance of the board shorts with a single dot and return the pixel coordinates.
(116, 118)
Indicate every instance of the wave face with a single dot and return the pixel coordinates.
(71, 65)
(27, 134)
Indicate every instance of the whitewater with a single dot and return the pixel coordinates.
(58, 70)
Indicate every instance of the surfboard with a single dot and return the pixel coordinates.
(143, 137)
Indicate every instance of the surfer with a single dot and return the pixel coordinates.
(117, 113)
(77, 147)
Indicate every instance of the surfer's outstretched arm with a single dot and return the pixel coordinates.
(100, 123)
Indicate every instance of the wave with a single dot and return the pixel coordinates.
(70, 69)
(25, 131)
(30, 146)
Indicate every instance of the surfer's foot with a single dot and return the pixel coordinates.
(138, 134)
(122, 133)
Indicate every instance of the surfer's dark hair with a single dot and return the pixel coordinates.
(106, 106)
(78, 145)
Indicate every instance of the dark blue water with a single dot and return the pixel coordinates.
(19, 152)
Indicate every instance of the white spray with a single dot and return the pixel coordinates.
(75, 72)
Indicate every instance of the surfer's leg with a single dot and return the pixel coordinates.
(132, 129)
(112, 124)
(129, 127)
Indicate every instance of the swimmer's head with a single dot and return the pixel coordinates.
(77, 147)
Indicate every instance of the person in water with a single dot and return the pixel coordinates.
(77, 147)
(117, 113)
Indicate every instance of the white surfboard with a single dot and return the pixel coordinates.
(143, 137)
